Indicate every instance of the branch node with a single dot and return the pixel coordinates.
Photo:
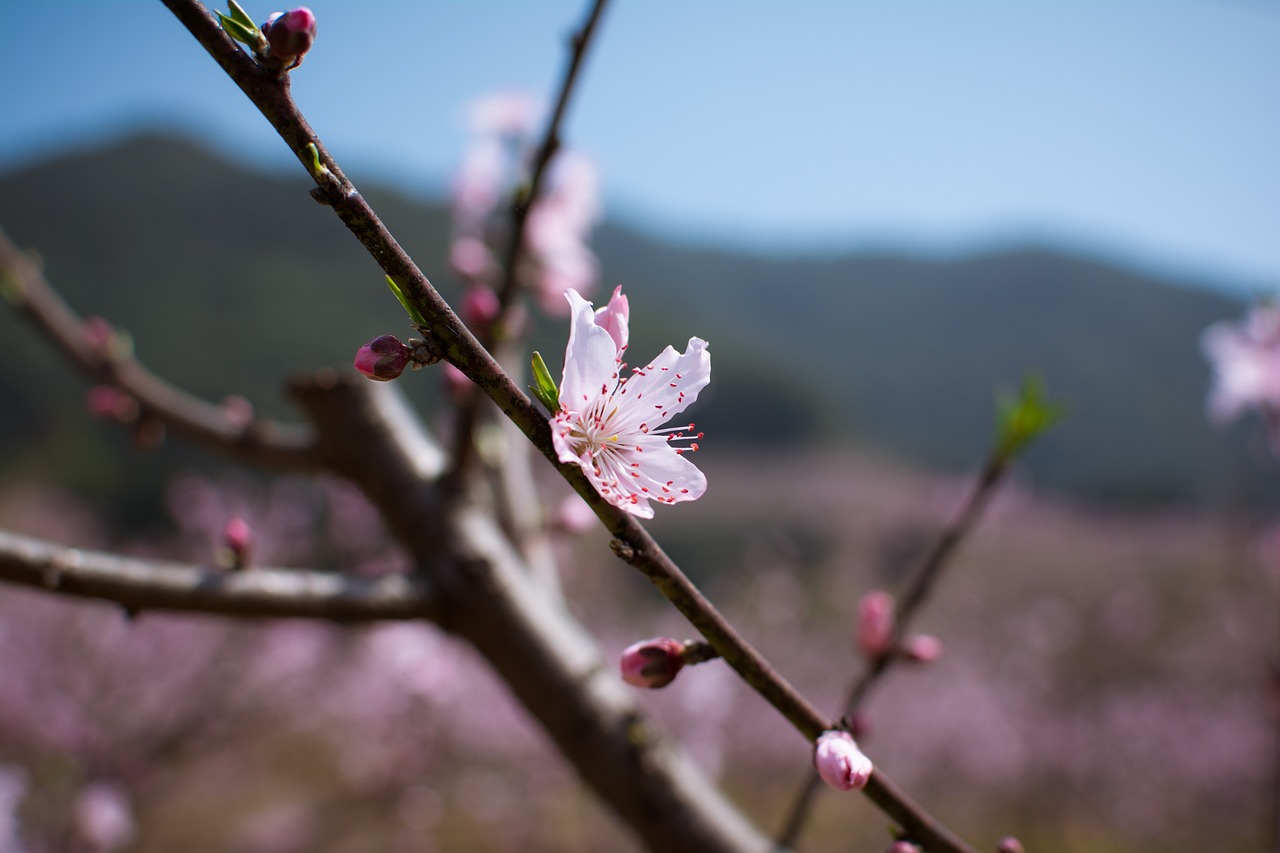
(623, 550)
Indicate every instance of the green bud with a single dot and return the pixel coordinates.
(317, 168)
(1022, 416)
(544, 387)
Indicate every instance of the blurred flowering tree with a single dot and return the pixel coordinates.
(449, 546)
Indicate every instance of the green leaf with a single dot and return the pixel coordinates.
(414, 314)
(544, 387)
(1022, 416)
(245, 35)
(240, 15)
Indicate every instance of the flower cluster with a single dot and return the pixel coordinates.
(611, 425)
(1246, 363)
(556, 257)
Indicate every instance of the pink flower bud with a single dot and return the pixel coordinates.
(238, 411)
(238, 538)
(840, 763)
(383, 358)
(470, 257)
(922, 648)
(574, 515)
(480, 306)
(290, 34)
(652, 663)
(875, 623)
(457, 383)
(97, 333)
(901, 846)
(111, 404)
(614, 318)
(1009, 844)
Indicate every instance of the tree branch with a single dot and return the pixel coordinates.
(262, 442)
(137, 585)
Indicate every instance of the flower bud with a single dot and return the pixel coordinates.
(614, 318)
(922, 648)
(97, 333)
(290, 34)
(238, 538)
(1009, 844)
(480, 306)
(238, 411)
(901, 846)
(840, 763)
(875, 623)
(652, 663)
(383, 358)
(111, 404)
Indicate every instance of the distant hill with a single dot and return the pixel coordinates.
(231, 280)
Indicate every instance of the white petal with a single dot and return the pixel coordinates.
(658, 471)
(670, 382)
(590, 359)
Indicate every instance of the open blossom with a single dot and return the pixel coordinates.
(840, 763)
(1246, 363)
(611, 425)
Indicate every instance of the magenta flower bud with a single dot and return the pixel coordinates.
(1009, 844)
(238, 537)
(840, 763)
(290, 34)
(652, 663)
(922, 648)
(383, 358)
(875, 627)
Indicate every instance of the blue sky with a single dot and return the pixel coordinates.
(1148, 131)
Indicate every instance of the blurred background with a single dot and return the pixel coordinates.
(878, 214)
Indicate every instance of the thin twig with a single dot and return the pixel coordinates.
(922, 582)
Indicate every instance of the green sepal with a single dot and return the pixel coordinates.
(544, 387)
(249, 35)
(1022, 416)
(239, 15)
(414, 314)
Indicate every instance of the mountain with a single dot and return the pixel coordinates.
(231, 280)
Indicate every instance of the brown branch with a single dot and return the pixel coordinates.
(262, 442)
(138, 584)
(270, 93)
(489, 596)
